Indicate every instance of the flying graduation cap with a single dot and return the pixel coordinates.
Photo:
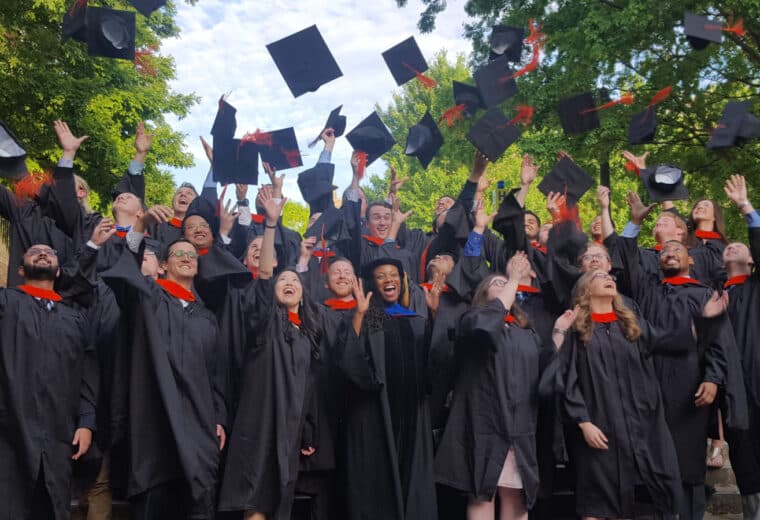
(12, 154)
(493, 133)
(305, 61)
(579, 114)
(566, 177)
(335, 121)
(469, 96)
(279, 148)
(146, 7)
(234, 160)
(424, 140)
(107, 32)
(316, 186)
(701, 31)
(643, 125)
(371, 137)
(736, 126)
(406, 62)
(507, 41)
(664, 182)
(495, 82)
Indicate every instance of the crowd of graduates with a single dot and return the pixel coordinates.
(204, 361)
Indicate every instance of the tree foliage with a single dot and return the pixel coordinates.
(43, 79)
(639, 47)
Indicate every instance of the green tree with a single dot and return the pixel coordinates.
(295, 216)
(638, 47)
(43, 80)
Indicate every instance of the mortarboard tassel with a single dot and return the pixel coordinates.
(529, 67)
(625, 99)
(257, 137)
(524, 115)
(361, 163)
(453, 114)
(535, 36)
(141, 61)
(566, 213)
(291, 156)
(736, 28)
(661, 96)
(79, 4)
(426, 81)
(631, 167)
(29, 186)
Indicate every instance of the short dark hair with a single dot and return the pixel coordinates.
(380, 203)
(529, 212)
(165, 252)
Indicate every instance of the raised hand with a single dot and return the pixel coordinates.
(519, 267)
(528, 170)
(69, 143)
(143, 142)
(103, 231)
(566, 319)
(328, 136)
(227, 217)
(716, 305)
(433, 295)
(307, 247)
(275, 179)
(208, 149)
(396, 183)
(482, 219)
(603, 197)
(554, 203)
(272, 206)
(241, 191)
(362, 300)
(593, 436)
(479, 165)
(640, 161)
(736, 189)
(638, 210)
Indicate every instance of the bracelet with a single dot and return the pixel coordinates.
(555, 330)
(744, 204)
(270, 227)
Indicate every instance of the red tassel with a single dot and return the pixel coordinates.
(426, 81)
(567, 213)
(631, 167)
(529, 67)
(291, 156)
(535, 36)
(361, 163)
(524, 115)
(737, 28)
(79, 4)
(453, 114)
(221, 199)
(29, 186)
(625, 99)
(257, 137)
(661, 96)
(142, 63)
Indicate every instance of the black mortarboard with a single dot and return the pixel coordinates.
(280, 149)
(333, 222)
(507, 41)
(335, 121)
(495, 82)
(372, 137)
(736, 125)
(424, 140)
(405, 61)
(110, 33)
(146, 7)
(12, 154)
(572, 116)
(75, 22)
(664, 182)
(235, 161)
(469, 96)
(225, 123)
(566, 175)
(701, 30)
(304, 61)
(643, 127)
(492, 134)
(316, 185)
(368, 269)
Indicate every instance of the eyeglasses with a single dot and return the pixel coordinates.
(35, 251)
(588, 257)
(197, 226)
(498, 282)
(604, 276)
(179, 253)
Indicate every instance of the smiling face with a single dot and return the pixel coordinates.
(667, 228)
(253, 255)
(531, 226)
(288, 290)
(127, 206)
(595, 258)
(181, 262)
(387, 282)
(443, 263)
(703, 211)
(379, 221)
(442, 206)
(596, 228)
(737, 259)
(602, 285)
(198, 231)
(150, 265)
(182, 199)
(40, 262)
(340, 278)
(675, 259)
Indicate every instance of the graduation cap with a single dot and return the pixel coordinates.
(372, 137)
(12, 154)
(332, 223)
(507, 41)
(316, 185)
(146, 7)
(279, 148)
(574, 116)
(225, 122)
(469, 96)
(235, 161)
(335, 121)
(493, 133)
(736, 126)
(664, 182)
(643, 125)
(110, 33)
(566, 176)
(406, 63)
(496, 82)
(304, 61)
(75, 22)
(424, 140)
(701, 30)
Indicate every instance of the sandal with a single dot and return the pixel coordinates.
(715, 459)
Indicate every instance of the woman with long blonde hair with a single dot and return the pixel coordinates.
(622, 448)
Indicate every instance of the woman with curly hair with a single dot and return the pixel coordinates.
(622, 448)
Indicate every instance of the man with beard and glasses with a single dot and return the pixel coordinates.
(48, 387)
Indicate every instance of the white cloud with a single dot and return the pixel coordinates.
(222, 48)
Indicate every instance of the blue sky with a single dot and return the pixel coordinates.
(222, 48)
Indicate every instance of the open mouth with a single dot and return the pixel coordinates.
(609, 285)
(289, 291)
(389, 288)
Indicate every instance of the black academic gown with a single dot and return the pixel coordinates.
(388, 442)
(166, 232)
(176, 388)
(495, 406)
(611, 382)
(48, 388)
(281, 410)
(710, 357)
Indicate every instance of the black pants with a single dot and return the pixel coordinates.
(169, 501)
(41, 507)
(744, 451)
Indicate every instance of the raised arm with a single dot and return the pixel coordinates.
(273, 208)
(528, 173)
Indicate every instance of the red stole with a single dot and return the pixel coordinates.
(176, 290)
(37, 292)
